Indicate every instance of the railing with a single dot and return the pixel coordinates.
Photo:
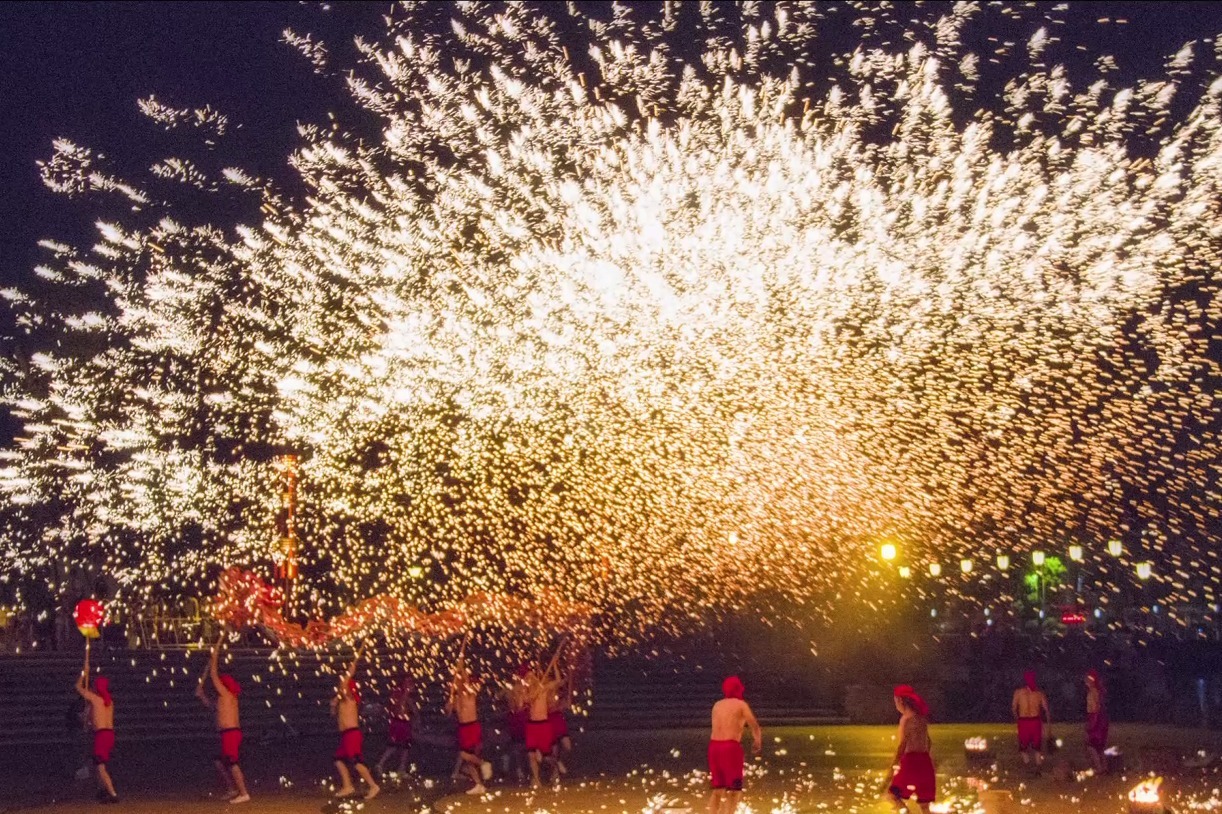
(168, 625)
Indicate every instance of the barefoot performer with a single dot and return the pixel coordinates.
(519, 712)
(228, 726)
(1030, 708)
(102, 718)
(464, 704)
(726, 758)
(914, 776)
(540, 737)
(400, 713)
(346, 707)
(1096, 720)
(560, 701)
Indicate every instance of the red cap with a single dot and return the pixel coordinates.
(1029, 680)
(733, 687)
(915, 701)
(101, 685)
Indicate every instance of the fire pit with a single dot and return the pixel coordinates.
(977, 750)
(1146, 797)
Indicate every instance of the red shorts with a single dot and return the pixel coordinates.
(539, 736)
(470, 738)
(103, 743)
(517, 726)
(231, 744)
(560, 726)
(1096, 730)
(915, 778)
(726, 765)
(350, 743)
(400, 732)
(1030, 733)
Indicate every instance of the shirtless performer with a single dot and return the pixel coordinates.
(559, 703)
(915, 773)
(516, 701)
(228, 726)
(464, 704)
(346, 707)
(730, 715)
(102, 717)
(400, 712)
(1096, 720)
(539, 733)
(1030, 708)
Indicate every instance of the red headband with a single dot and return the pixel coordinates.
(733, 687)
(917, 702)
(102, 685)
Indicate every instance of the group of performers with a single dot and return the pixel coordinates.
(1032, 714)
(537, 699)
(914, 776)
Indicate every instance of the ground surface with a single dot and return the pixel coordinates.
(808, 769)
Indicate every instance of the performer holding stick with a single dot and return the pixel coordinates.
(519, 712)
(345, 706)
(102, 718)
(463, 703)
(540, 737)
(559, 703)
(228, 725)
(399, 714)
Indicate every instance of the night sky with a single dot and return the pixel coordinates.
(77, 70)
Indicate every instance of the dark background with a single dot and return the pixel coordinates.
(76, 70)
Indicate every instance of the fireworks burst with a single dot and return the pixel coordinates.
(650, 310)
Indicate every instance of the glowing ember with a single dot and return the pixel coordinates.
(976, 744)
(1145, 796)
(599, 300)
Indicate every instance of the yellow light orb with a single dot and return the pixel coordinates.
(1115, 548)
(1075, 553)
(905, 572)
(935, 569)
(1003, 561)
(888, 551)
(965, 566)
(1144, 570)
(1037, 557)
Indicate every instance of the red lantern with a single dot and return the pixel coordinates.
(89, 617)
